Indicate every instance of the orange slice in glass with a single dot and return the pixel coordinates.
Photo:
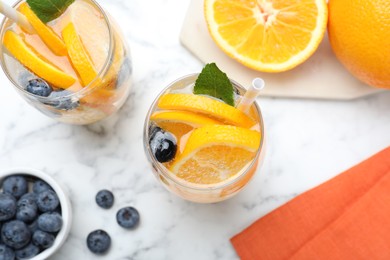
(180, 122)
(48, 36)
(78, 55)
(214, 153)
(34, 62)
(267, 35)
(206, 106)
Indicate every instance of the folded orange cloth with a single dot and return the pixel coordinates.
(347, 217)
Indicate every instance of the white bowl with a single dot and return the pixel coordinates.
(66, 209)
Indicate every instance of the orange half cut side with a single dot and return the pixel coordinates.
(267, 35)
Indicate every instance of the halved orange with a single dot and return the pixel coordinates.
(215, 153)
(206, 106)
(267, 35)
(180, 122)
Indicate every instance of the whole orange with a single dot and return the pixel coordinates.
(359, 33)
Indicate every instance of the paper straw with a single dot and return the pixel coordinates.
(251, 94)
(16, 16)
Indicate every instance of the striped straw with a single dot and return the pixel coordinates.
(16, 16)
(251, 94)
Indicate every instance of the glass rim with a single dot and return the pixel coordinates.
(84, 90)
(193, 186)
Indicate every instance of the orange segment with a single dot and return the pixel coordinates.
(87, 37)
(214, 153)
(267, 35)
(25, 55)
(206, 106)
(92, 30)
(48, 36)
(78, 55)
(180, 122)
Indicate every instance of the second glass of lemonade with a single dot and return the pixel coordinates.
(75, 68)
(201, 148)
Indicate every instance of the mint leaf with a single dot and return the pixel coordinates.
(213, 82)
(48, 10)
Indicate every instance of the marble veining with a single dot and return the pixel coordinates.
(308, 142)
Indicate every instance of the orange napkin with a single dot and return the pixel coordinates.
(347, 217)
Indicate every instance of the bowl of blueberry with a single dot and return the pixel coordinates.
(35, 214)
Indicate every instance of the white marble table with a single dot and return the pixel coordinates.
(308, 142)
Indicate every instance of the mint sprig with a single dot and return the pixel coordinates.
(48, 10)
(213, 82)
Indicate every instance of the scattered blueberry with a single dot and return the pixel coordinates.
(163, 145)
(39, 87)
(7, 206)
(15, 234)
(47, 201)
(127, 217)
(6, 253)
(26, 208)
(98, 241)
(50, 222)
(27, 252)
(65, 103)
(15, 185)
(40, 186)
(43, 239)
(105, 199)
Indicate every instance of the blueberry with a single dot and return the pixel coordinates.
(105, 199)
(47, 201)
(15, 185)
(31, 197)
(27, 252)
(50, 222)
(40, 186)
(42, 239)
(7, 206)
(125, 72)
(26, 208)
(127, 217)
(33, 226)
(15, 234)
(98, 241)
(6, 253)
(39, 87)
(163, 145)
(153, 129)
(66, 103)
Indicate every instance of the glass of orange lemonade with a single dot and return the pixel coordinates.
(75, 68)
(201, 148)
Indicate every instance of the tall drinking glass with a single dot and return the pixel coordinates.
(189, 184)
(85, 73)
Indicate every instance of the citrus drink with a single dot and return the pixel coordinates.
(201, 148)
(75, 68)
